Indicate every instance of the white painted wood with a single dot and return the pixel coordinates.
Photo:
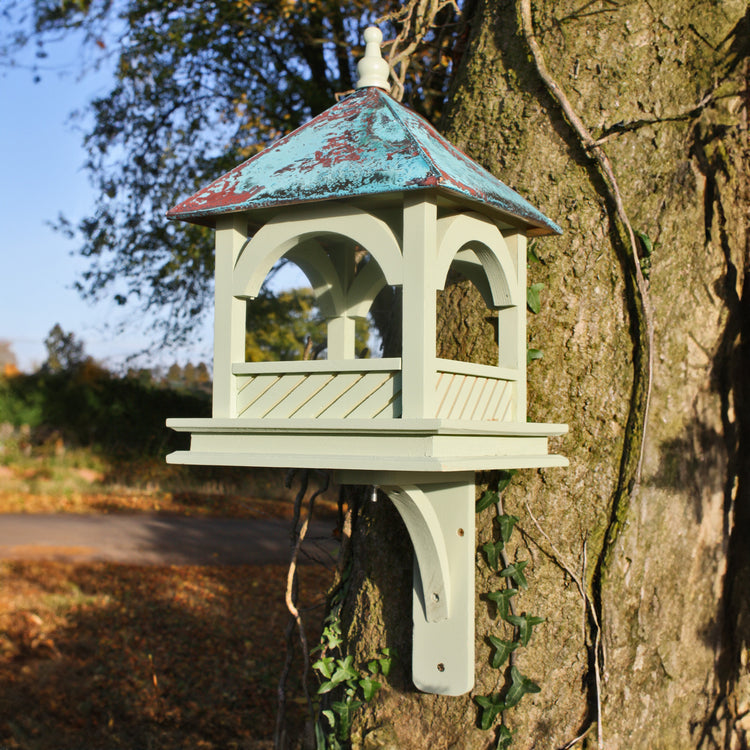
(372, 69)
(419, 305)
(229, 313)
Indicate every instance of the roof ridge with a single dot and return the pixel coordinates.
(394, 107)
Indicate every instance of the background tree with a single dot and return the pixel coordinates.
(199, 87)
(64, 351)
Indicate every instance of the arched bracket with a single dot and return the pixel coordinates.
(438, 512)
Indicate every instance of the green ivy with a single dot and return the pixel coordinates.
(338, 673)
(517, 685)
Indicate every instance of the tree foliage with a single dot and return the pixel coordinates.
(64, 351)
(199, 87)
(288, 326)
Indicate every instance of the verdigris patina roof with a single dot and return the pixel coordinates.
(366, 144)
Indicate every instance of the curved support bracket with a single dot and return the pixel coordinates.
(427, 538)
(439, 516)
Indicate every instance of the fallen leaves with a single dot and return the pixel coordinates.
(102, 655)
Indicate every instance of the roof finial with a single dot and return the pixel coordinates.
(372, 68)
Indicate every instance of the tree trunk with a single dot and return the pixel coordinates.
(656, 526)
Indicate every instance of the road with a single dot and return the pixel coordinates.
(156, 540)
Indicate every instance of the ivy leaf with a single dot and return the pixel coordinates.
(532, 354)
(506, 524)
(520, 686)
(503, 650)
(502, 600)
(492, 551)
(491, 706)
(504, 738)
(515, 571)
(646, 244)
(525, 624)
(324, 666)
(505, 476)
(484, 502)
(533, 299)
(345, 710)
(531, 256)
(385, 661)
(369, 687)
(345, 671)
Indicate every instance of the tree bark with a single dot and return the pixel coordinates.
(658, 535)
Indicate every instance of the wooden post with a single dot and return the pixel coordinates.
(419, 306)
(511, 327)
(229, 314)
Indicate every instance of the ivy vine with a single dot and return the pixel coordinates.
(516, 685)
(340, 676)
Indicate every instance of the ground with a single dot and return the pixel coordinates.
(122, 656)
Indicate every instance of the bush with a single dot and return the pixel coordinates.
(89, 407)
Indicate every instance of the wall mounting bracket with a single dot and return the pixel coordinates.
(438, 512)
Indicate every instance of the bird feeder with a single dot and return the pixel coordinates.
(370, 176)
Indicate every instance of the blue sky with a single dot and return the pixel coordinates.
(41, 158)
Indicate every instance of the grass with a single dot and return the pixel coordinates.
(51, 478)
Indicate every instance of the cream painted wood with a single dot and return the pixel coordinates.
(229, 313)
(364, 288)
(474, 232)
(371, 444)
(419, 305)
(285, 231)
(477, 370)
(418, 426)
(511, 326)
(319, 365)
(440, 520)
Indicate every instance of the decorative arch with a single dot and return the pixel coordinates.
(287, 233)
(483, 258)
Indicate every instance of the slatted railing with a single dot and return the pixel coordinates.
(319, 389)
(467, 391)
(369, 389)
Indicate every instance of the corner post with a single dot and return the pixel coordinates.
(513, 353)
(419, 306)
(229, 314)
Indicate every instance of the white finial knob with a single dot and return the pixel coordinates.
(372, 68)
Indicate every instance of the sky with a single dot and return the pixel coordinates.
(41, 158)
